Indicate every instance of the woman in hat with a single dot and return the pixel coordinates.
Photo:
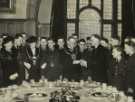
(8, 63)
(31, 60)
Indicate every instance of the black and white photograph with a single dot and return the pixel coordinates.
(67, 50)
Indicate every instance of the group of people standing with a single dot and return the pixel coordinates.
(74, 59)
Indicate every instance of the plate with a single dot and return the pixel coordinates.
(36, 95)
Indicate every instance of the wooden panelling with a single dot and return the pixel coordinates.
(12, 27)
(16, 25)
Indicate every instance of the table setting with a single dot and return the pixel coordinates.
(62, 91)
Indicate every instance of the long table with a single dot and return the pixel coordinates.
(11, 93)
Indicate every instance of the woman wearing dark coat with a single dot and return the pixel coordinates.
(8, 62)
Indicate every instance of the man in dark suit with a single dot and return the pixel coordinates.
(18, 50)
(72, 68)
(61, 45)
(84, 56)
(99, 60)
(116, 71)
(53, 69)
(130, 67)
(43, 54)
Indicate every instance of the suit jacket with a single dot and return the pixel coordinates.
(43, 55)
(20, 55)
(99, 64)
(130, 72)
(87, 56)
(53, 69)
(116, 73)
(71, 71)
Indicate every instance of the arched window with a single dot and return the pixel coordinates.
(109, 18)
(89, 23)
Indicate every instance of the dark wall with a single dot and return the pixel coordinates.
(128, 18)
